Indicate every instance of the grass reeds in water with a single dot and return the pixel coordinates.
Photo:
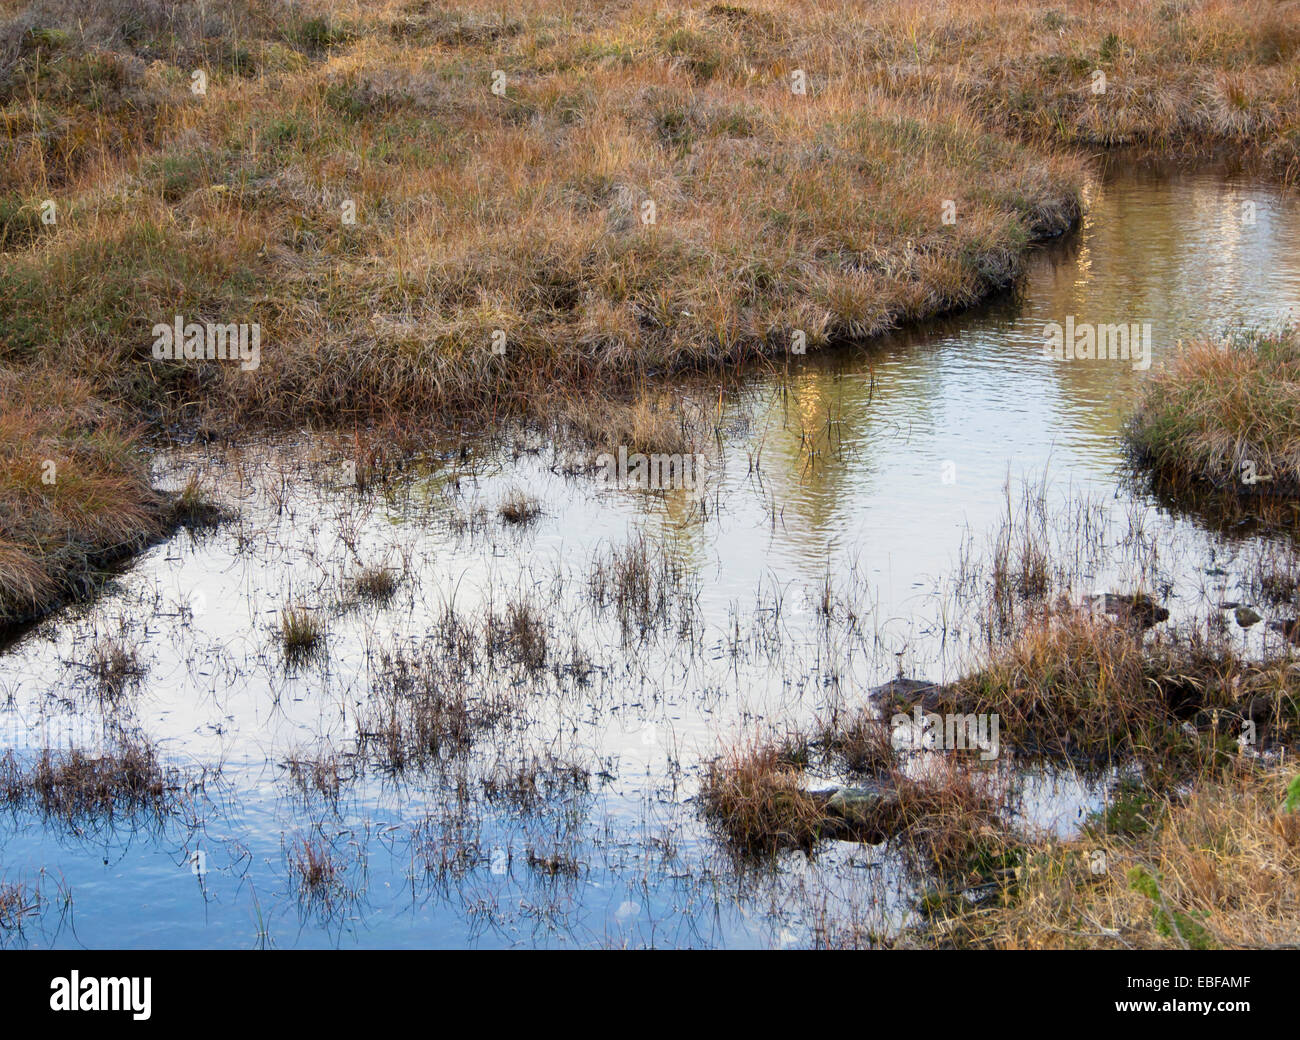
(77, 786)
(302, 634)
(17, 904)
(519, 508)
(114, 667)
(375, 585)
(320, 875)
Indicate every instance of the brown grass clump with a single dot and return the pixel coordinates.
(423, 709)
(374, 585)
(323, 878)
(757, 798)
(519, 508)
(302, 633)
(647, 587)
(75, 494)
(1081, 685)
(1226, 414)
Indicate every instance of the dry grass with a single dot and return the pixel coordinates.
(18, 903)
(301, 633)
(1216, 870)
(74, 493)
(1226, 414)
(757, 796)
(648, 587)
(114, 667)
(1081, 685)
(374, 585)
(524, 213)
(76, 785)
(519, 508)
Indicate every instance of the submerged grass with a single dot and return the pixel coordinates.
(77, 786)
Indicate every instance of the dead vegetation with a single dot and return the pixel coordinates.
(84, 787)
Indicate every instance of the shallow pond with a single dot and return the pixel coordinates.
(865, 480)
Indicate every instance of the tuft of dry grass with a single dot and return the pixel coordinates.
(316, 873)
(756, 796)
(519, 508)
(1226, 414)
(374, 585)
(301, 633)
(1078, 684)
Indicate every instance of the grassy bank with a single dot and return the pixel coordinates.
(1213, 869)
(471, 214)
(1226, 415)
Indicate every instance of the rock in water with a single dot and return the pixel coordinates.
(1138, 607)
(902, 695)
(1246, 616)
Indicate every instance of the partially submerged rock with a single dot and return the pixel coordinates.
(860, 813)
(1246, 616)
(900, 696)
(1137, 607)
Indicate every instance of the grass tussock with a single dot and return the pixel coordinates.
(758, 797)
(1226, 414)
(302, 633)
(374, 584)
(519, 509)
(1081, 685)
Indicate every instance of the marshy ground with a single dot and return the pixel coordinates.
(359, 651)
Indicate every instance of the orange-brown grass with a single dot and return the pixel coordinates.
(74, 492)
(1084, 686)
(1216, 871)
(523, 214)
(1226, 414)
(755, 795)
